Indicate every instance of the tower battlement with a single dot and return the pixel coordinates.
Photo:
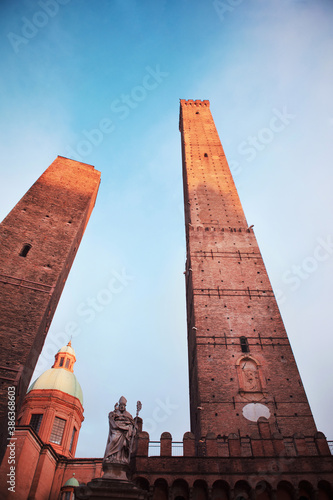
(196, 102)
(262, 443)
(231, 467)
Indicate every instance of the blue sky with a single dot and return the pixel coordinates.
(101, 82)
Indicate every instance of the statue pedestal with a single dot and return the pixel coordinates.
(112, 485)
(115, 471)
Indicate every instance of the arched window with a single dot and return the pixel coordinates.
(242, 490)
(161, 490)
(180, 490)
(263, 491)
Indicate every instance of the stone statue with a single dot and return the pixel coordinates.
(122, 431)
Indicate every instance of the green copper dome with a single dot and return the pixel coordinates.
(61, 380)
(61, 377)
(72, 482)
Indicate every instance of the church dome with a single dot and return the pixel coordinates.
(72, 481)
(59, 379)
(53, 406)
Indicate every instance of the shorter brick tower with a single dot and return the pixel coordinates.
(39, 240)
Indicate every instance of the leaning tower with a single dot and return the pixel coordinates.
(39, 240)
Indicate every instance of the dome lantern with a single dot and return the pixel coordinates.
(65, 358)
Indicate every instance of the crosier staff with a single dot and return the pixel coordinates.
(138, 409)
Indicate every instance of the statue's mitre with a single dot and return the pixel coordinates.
(122, 401)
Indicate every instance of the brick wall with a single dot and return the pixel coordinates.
(265, 458)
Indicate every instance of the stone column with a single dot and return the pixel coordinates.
(274, 495)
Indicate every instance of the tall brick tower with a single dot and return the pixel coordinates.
(39, 240)
(241, 365)
(252, 432)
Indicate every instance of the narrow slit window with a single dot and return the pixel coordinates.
(72, 440)
(244, 344)
(67, 363)
(61, 362)
(25, 250)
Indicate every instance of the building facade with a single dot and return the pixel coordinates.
(53, 406)
(252, 432)
(46, 437)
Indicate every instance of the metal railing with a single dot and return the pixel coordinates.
(177, 448)
(154, 448)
